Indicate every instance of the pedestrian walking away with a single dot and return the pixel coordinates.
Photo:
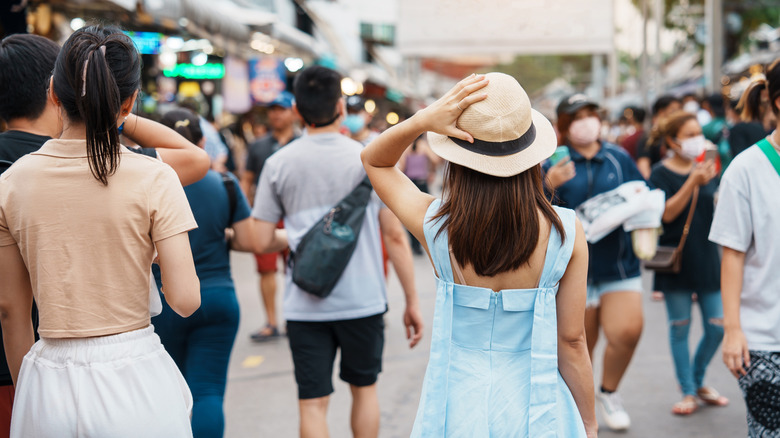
(281, 120)
(689, 184)
(201, 344)
(508, 352)
(745, 225)
(614, 285)
(108, 209)
(300, 184)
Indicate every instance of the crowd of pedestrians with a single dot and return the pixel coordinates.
(118, 308)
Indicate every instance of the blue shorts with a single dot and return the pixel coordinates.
(599, 288)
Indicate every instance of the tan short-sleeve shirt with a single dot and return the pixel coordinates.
(88, 247)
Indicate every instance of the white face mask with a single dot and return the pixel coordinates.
(691, 148)
(585, 131)
(691, 107)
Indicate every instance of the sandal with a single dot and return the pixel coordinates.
(686, 406)
(267, 333)
(711, 397)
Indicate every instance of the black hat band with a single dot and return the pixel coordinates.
(499, 148)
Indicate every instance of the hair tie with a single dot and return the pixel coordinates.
(180, 123)
(84, 73)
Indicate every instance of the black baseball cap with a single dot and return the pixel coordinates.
(575, 102)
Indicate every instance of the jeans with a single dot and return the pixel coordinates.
(200, 345)
(678, 308)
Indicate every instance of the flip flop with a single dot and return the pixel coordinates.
(711, 397)
(684, 407)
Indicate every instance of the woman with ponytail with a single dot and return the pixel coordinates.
(745, 225)
(80, 220)
(754, 107)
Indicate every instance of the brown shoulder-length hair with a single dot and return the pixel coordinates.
(493, 222)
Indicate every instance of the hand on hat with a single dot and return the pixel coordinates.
(442, 116)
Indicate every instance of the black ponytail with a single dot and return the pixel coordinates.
(96, 71)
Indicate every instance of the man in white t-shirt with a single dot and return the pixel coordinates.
(746, 226)
(300, 183)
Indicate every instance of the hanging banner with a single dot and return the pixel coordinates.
(235, 86)
(267, 78)
(452, 28)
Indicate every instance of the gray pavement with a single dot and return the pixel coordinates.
(261, 396)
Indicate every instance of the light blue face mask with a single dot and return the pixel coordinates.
(354, 122)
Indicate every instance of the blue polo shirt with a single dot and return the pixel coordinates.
(612, 258)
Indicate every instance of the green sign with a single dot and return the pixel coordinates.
(191, 71)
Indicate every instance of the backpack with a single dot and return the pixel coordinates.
(325, 250)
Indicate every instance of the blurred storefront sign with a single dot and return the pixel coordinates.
(192, 71)
(267, 78)
(235, 86)
(452, 28)
(148, 43)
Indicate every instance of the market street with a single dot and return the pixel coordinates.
(261, 394)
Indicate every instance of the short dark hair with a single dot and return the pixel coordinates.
(317, 91)
(663, 102)
(26, 63)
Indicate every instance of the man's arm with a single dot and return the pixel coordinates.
(400, 253)
(269, 238)
(15, 307)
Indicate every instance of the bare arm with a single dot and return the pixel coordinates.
(573, 359)
(643, 164)
(400, 254)
(244, 236)
(188, 160)
(269, 238)
(676, 205)
(15, 307)
(406, 201)
(735, 349)
(181, 286)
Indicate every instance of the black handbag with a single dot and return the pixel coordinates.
(668, 259)
(324, 251)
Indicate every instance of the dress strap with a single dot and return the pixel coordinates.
(456, 268)
(438, 243)
(559, 249)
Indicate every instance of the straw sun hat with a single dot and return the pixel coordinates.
(509, 136)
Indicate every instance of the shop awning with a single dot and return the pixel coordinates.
(204, 18)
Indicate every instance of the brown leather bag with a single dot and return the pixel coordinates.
(668, 259)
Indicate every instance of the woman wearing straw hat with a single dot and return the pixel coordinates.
(508, 351)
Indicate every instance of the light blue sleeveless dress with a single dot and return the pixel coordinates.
(493, 367)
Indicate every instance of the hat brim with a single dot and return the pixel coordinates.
(503, 166)
(578, 106)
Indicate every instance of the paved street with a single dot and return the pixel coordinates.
(261, 395)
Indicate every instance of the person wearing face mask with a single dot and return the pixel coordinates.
(357, 121)
(690, 184)
(614, 284)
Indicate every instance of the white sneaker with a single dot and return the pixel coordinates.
(613, 412)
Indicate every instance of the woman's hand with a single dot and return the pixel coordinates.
(442, 116)
(703, 173)
(561, 173)
(735, 352)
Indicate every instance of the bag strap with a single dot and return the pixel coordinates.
(230, 187)
(770, 153)
(688, 221)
